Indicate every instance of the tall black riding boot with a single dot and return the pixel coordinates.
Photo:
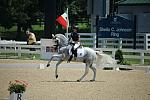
(70, 58)
(75, 52)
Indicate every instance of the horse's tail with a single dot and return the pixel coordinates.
(104, 59)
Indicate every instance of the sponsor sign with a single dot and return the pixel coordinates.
(115, 27)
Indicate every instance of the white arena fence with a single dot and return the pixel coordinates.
(142, 41)
(20, 49)
(87, 39)
(129, 53)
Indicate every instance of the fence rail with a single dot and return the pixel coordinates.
(142, 53)
(89, 39)
(20, 49)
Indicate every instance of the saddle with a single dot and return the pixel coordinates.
(76, 53)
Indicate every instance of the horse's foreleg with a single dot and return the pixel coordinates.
(94, 71)
(48, 64)
(58, 63)
(86, 72)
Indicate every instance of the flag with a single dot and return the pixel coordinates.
(63, 20)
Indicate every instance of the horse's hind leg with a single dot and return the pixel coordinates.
(86, 72)
(94, 71)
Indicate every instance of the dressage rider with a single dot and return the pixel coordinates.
(74, 41)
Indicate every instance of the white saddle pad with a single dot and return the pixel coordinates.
(80, 52)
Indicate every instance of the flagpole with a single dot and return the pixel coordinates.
(67, 24)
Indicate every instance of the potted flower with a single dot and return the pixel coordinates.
(16, 89)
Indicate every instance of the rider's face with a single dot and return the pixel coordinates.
(75, 30)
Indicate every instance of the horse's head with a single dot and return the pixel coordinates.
(60, 40)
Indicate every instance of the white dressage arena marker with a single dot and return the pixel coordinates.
(41, 66)
(117, 69)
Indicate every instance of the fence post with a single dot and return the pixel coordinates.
(19, 51)
(142, 59)
(146, 41)
(113, 53)
(94, 40)
(120, 43)
(103, 43)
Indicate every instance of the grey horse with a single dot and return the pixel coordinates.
(90, 56)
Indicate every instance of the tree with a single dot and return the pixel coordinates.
(5, 15)
(23, 13)
(114, 6)
(77, 11)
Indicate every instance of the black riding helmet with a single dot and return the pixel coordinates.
(74, 27)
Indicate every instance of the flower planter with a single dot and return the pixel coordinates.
(16, 96)
(16, 89)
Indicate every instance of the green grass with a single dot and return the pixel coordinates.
(131, 53)
(14, 28)
(136, 61)
(15, 56)
(132, 61)
(8, 55)
(11, 34)
(147, 61)
(147, 54)
(30, 56)
(83, 25)
(38, 27)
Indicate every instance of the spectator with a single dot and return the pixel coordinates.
(31, 39)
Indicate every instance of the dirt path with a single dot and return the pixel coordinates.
(109, 85)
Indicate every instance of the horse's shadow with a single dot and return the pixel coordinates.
(68, 81)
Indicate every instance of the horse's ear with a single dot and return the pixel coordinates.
(53, 36)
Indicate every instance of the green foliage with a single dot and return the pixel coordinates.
(78, 11)
(119, 56)
(24, 14)
(126, 62)
(121, 60)
(18, 86)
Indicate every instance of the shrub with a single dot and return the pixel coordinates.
(17, 86)
(119, 57)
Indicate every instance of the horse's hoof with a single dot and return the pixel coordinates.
(47, 65)
(78, 80)
(92, 80)
(56, 76)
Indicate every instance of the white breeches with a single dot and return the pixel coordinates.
(77, 44)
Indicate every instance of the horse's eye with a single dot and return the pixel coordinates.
(56, 41)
